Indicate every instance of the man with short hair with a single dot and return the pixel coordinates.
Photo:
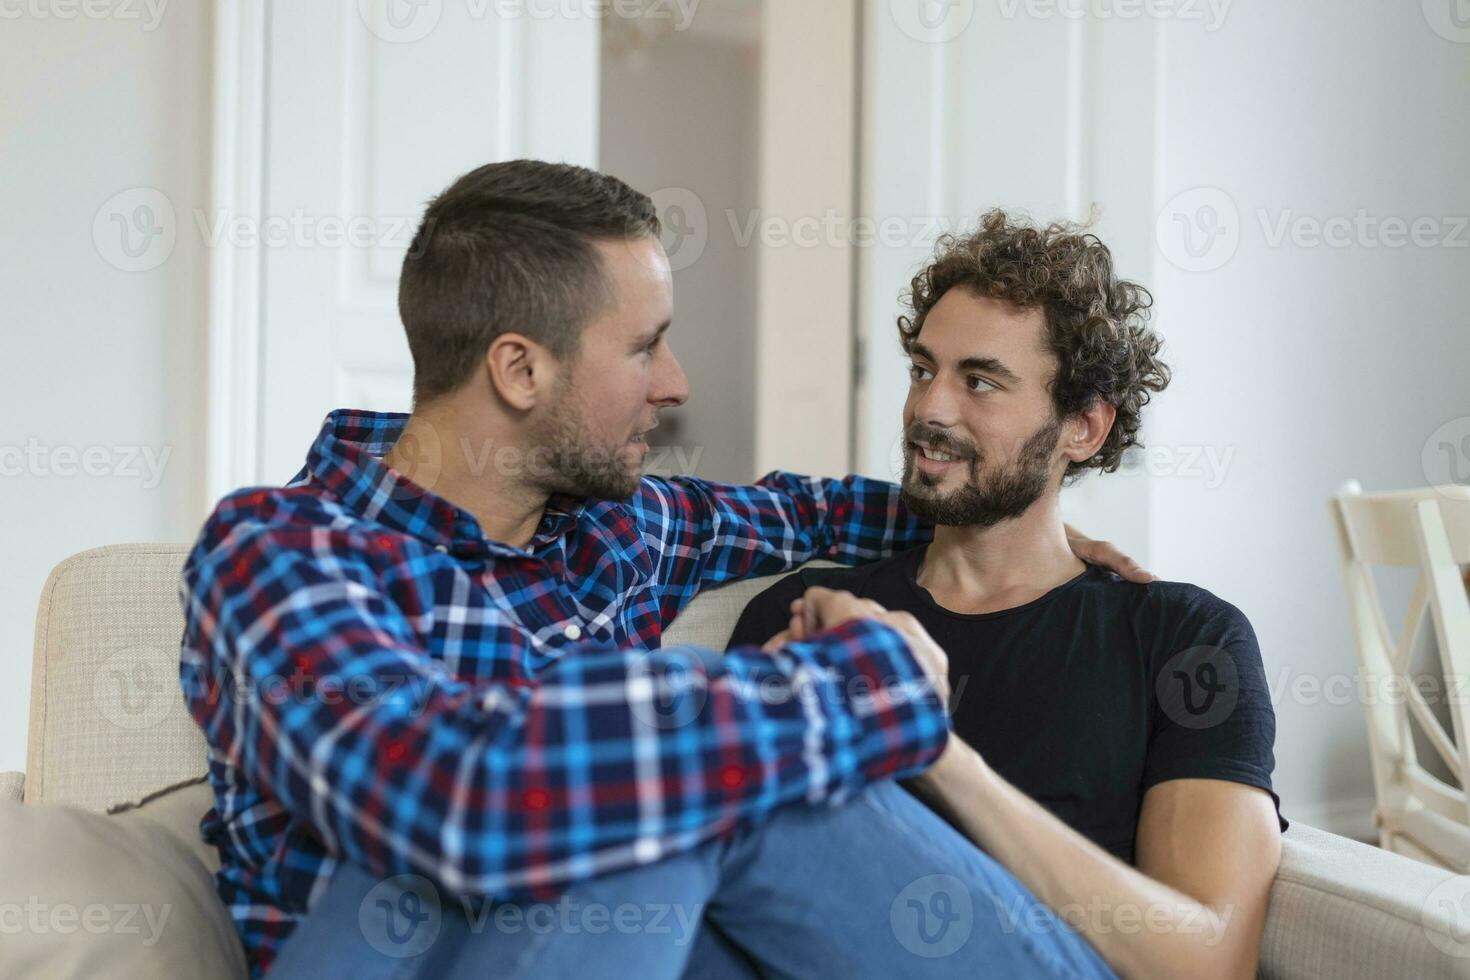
(1113, 740)
(425, 681)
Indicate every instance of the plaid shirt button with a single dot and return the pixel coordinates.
(572, 632)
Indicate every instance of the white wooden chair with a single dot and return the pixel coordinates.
(1419, 814)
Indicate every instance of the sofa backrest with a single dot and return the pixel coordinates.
(108, 725)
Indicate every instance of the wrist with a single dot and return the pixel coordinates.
(946, 766)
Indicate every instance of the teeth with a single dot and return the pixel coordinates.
(938, 456)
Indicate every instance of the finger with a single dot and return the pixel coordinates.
(1137, 573)
(796, 627)
(811, 610)
(776, 642)
(1115, 561)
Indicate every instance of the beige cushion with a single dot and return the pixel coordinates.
(12, 785)
(710, 618)
(87, 895)
(1344, 909)
(108, 722)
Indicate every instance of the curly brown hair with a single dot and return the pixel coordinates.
(1096, 323)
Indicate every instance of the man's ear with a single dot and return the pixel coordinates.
(1084, 433)
(520, 370)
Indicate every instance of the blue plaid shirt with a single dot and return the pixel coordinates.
(380, 684)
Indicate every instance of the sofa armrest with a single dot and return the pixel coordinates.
(1344, 909)
(12, 786)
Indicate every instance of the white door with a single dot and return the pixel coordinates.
(366, 109)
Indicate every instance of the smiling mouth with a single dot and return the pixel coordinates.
(935, 455)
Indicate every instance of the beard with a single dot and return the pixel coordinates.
(981, 502)
(577, 466)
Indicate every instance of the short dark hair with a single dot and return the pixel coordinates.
(509, 248)
(1096, 323)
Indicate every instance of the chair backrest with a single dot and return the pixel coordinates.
(1427, 529)
(108, 725)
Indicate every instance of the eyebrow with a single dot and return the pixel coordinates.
(650, 339)
(986, 365)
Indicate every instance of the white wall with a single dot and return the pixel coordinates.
(1296, 367)
(95, 357)
(1313, 363)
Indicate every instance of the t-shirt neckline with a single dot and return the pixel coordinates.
(915, 557)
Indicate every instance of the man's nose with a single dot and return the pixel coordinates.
(670, 387)
(937, 406)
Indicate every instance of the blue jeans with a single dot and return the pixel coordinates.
(878, 887)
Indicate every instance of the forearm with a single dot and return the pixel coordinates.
(412, 770)
(1141, 927)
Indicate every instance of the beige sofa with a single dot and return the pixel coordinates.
(86, 893)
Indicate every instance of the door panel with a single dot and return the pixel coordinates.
(372, 108)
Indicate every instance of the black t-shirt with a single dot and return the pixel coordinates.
(1087, 696)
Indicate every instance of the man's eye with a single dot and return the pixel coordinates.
(916, 372)
(977, 382)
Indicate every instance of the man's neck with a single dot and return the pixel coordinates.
(465, 466)
(987, 569)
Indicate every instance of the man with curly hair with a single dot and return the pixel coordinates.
(1113, 743)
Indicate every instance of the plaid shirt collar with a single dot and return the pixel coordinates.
(346, 461)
